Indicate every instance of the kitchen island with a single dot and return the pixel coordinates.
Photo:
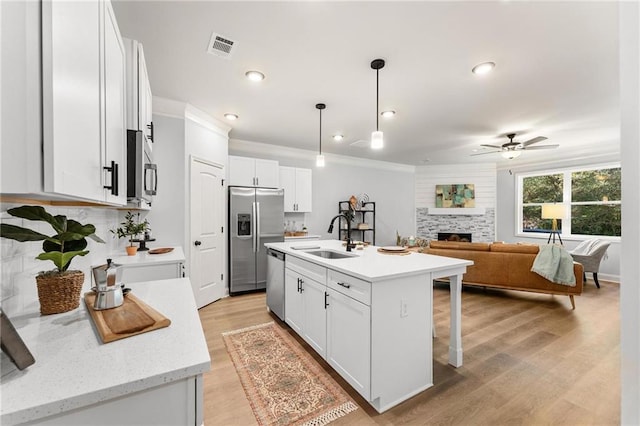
(150, 378)
(370, 315)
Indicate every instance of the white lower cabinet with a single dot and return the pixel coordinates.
(349, 340)
(305, 309)
(138, 273)
(315, 323)
(174, 403)
(332, 318)
(293, 303)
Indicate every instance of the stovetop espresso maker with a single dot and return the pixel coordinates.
(108, 288)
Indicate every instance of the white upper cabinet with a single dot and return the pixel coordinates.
(139, 99)
(297, 185)
(68, 121)
(115, 150)
(71, 86)
(245, 171)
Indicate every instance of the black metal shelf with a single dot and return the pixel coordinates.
(361, 215)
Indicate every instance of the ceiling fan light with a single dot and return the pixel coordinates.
(510, 155)
(319, 160)
(377, 140)
(483, 68)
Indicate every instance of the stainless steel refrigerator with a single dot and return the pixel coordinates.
(256, 216)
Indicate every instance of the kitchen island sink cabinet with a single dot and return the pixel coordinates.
(371, 316)
(304, 302)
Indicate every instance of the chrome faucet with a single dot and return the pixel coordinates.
(350, 245)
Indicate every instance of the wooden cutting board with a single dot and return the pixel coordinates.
(395, 253)
(131, 318)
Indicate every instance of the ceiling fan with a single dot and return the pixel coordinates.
(511, 149)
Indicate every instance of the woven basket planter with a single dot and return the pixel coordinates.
(59, 293)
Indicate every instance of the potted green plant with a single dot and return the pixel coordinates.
(58, 289)
(130, 228)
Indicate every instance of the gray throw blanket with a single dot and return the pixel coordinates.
(555, 264)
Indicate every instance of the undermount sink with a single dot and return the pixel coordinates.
(331, 254)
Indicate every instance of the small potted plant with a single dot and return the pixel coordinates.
(58, 289)
(131, 228)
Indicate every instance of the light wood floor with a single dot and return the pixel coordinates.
(528, 359)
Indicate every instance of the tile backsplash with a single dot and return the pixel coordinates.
(19, 264)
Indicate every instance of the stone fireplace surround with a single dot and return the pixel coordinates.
(481, 227)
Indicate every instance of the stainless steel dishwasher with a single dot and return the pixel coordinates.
(275, 282)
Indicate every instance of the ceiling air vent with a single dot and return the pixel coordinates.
(221, 46)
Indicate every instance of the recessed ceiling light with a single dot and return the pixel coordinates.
(254, 75)
(338, 138)
(483, 68)
(230, 116)
(388, 114)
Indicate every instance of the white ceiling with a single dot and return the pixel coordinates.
(556, 73)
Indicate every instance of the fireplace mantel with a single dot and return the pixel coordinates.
(456, 211)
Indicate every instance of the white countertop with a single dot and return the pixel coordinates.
(74, 368)
(368, 264)
(143, 258)
(302, 237)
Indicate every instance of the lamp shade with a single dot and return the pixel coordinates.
(553, 211)
(377, 140)
(320, 160)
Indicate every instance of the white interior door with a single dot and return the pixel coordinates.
(207, 239)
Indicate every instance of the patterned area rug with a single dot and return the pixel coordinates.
(284, 384)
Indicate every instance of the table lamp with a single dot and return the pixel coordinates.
(553, 212)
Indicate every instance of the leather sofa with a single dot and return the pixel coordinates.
(506, 266)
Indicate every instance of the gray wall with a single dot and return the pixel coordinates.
(506, 218)
(390, 186)
(167, 215)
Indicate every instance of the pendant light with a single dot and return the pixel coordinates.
(320, 157)
(377, 141)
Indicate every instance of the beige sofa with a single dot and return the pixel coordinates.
(505, 266)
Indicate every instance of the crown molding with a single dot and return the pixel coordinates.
(182, 110)
(253, 149)
(583, 160)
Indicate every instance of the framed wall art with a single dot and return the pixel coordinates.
(460, 195)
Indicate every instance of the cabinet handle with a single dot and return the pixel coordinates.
(326, 296)
(150, 127)
(197, 243)
(301, 287)
(298, 285)
(257, 181)
(345, 285)
(114, 178)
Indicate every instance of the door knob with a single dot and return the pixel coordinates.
(197, 243)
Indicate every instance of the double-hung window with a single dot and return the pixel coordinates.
(590, 198)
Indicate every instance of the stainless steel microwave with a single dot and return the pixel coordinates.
(142, 172)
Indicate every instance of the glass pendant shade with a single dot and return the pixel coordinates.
(319, 160)
(510, 155)
(377, 141)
